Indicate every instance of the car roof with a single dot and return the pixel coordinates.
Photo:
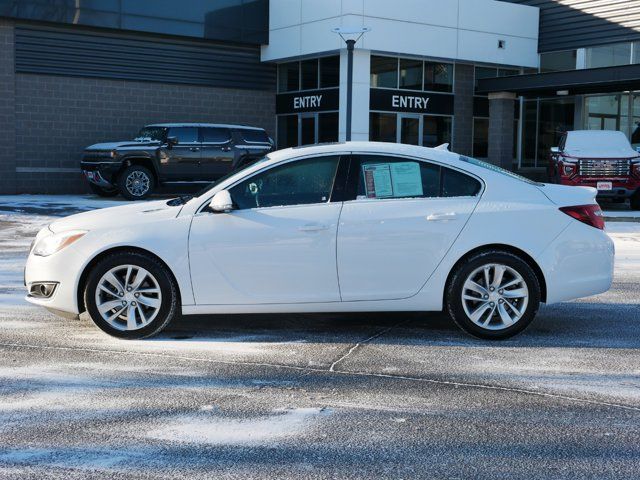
(218, 125)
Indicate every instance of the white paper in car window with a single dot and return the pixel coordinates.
(385, 180)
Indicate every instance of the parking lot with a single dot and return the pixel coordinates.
(402, 395)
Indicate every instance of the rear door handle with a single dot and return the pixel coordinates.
(195, 149)
(313, 228)
(226, 149)
(441, 217)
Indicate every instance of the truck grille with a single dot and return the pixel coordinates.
(604, 168)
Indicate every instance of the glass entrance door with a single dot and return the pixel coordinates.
(410, 129)
(308, 130)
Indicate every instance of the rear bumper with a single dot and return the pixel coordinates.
(578, 263)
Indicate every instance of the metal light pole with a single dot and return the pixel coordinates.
(350, 37)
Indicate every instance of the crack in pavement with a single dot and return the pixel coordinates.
(309, 370)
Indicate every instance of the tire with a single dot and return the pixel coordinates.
(136, 182)
(103, 192)
(634, 201)
(493, 326)
(158, 288)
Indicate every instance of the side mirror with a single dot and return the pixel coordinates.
(555, 150)
(172, 141)
(221, 202)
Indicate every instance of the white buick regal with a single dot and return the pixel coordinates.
(351, 227)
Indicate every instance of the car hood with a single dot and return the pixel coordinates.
(602, 153)
(116, 145)
(106, 218)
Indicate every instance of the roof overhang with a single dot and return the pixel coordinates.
(573, 82)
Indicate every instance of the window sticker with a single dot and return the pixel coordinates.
(377, 180)
(389, 180)
(406, 179)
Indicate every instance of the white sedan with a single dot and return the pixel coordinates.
(351, 227)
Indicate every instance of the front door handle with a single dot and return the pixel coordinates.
(195, 149)
(441, 217)
(226, 149)
(313, 228)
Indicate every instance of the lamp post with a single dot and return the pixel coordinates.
(350, 37)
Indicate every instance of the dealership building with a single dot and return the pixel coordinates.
(500, 80)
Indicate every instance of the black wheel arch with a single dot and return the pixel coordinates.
(508, 249)
(82, 283)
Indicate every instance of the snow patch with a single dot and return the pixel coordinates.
(210, 430)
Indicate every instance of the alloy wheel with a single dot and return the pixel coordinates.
(137, 183)
(495, 296)
(128, 297)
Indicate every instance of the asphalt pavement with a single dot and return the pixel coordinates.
(402, 395)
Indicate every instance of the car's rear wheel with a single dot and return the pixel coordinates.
(493, 295)
(131, 295)
(103, 192)
(136, 182)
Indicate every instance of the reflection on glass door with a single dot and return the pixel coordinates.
(308, 130)
(409, 130)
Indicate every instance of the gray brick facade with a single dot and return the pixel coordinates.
(501, 106)
(7, 109)
(57, 116)
(463, 109)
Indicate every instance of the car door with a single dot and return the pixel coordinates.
(278, 245)
(181, 162)
(398, 221)
(217, 153)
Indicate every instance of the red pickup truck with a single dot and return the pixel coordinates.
(601, 159)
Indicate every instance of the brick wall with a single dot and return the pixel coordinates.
(56, 117)
(7, 109)
(463, 109)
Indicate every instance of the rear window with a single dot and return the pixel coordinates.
(255, 136)
(493, 168)
(215, 135)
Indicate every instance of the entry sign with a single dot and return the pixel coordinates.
(323, 100)
(387, 100)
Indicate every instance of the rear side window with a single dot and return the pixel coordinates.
(295, 183)
(184, 134)
(392, 177)
(215, 135)
(255, 136)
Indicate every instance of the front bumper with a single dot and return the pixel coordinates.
(102, 174)
(620, 187)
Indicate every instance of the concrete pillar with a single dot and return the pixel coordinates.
(501, 123)
(463, 109)
(7, 109)
(361, 85)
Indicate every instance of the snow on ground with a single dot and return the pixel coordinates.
(626, 236)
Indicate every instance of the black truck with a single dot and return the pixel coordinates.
(171, 153)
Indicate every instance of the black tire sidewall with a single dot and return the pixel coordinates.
(122, 183)
(168, 288)
(455, 286)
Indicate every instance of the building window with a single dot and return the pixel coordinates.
(383, 127)
(558, 61)
(481, 137)
(309, 74)
(436, 130)
(328, 127)
(438, 77)
(287, 131)
(289, 77)
(411, 74)
(384, 72)
(329, 72)
(608, 55)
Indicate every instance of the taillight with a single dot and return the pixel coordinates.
(589, 214)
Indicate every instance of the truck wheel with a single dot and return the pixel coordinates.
(136, 182)
(493, 295)
(103, 192)
(635, 201)
(131, 295)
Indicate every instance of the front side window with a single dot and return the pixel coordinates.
(295, 183)
(184, 134)
(215, 135)
(151, 134)
(386, 177)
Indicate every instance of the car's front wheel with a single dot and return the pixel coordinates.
(131, 295)
(493, 295)
(136, 182)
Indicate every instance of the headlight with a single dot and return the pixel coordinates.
(56, 242)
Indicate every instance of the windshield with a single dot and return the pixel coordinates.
(494, 168)
(151, 134)
(229, 175)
